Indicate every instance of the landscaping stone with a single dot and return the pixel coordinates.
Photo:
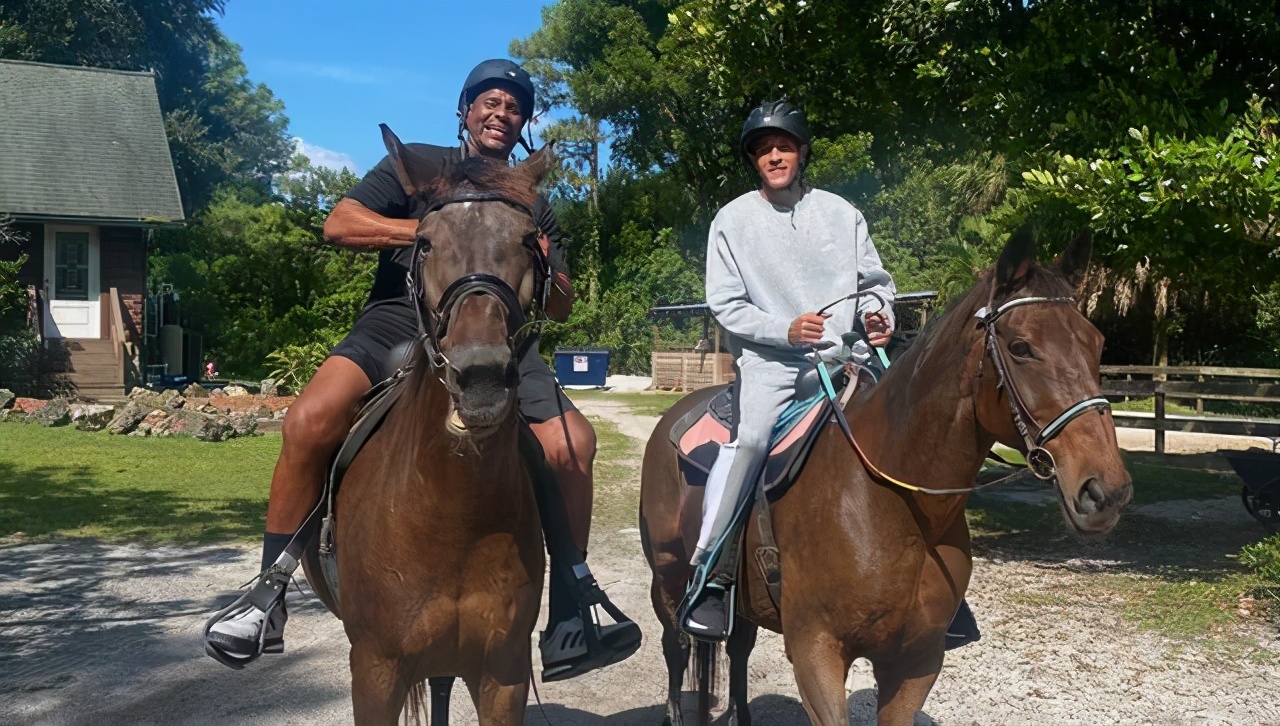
(279, 415)
(9, 415)
(195, 390)
(269, 388)
(28, 405)
(128, 418)
(243, 424)
(172, 399)
(57, 413)
(194, 424)
(91, 416)
(6, 398)
(234, 390)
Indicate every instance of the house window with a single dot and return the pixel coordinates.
(71, 264)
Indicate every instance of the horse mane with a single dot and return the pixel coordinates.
(481, 174)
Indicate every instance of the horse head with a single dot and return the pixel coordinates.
(477, 266)
(1044, 397)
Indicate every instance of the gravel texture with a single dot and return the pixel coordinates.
(109, 634)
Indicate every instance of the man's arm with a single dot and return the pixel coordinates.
(355, 226)
(728, 300)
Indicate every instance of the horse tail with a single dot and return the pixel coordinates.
(706, 660)
(415, 705)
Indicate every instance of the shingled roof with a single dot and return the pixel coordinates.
(83, 143)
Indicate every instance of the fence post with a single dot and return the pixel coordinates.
(1159, 421)
(1200, 401)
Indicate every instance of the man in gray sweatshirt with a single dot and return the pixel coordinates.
(775, 256)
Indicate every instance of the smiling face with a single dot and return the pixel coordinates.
(778, 158)
(494, 121)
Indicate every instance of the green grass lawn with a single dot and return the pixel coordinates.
(64, 482)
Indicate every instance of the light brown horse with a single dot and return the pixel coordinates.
(439, 549)
(871, 569)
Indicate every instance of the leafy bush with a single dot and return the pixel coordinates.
(1263, 558)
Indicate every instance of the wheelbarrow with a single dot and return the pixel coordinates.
(1260, 471)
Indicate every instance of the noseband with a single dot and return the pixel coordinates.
(433, 321)
(1039, 460)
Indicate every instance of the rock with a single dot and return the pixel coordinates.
(209, 408)
(234, 390)
(269, 388)
(91, 416)
(128, 418)
(57, 413)
(244, 424)
(10, 415)
(28, 405)
(145, 397)
(6, 398)
(279, 415)
(172, 399)
(154, 418)
(195, 390)
(263, 412)
(141, 431)
(217, 393)
(194, 424)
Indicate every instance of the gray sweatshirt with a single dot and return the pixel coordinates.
(768, 265)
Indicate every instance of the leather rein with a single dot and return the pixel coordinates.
(433, 321)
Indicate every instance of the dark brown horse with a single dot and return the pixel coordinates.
(439, 550)
(872, 569)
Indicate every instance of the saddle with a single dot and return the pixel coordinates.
(697, 437)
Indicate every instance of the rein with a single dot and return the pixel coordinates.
(1039, 460)
(433, 321)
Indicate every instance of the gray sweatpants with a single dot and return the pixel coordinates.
(763, 390)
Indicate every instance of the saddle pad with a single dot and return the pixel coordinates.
(698, 444)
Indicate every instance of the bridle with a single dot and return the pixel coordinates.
(433, 321)
(1039, 460)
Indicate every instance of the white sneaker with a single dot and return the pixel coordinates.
(238, 636)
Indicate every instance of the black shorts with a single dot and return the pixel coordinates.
(383, 327)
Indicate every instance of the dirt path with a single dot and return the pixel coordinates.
(109, 634)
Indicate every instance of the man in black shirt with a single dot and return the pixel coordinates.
(376, 214)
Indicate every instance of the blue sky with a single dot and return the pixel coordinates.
(344, 66)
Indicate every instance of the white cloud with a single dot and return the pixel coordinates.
(327, 158)
(327, 71)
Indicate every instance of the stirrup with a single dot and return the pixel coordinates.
(267, 595)
(694, 595)
(606, 644)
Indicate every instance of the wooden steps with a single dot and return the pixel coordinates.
(90, 368)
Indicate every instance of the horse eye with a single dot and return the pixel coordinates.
(1020, 348)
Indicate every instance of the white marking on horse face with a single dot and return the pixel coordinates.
(466, 205)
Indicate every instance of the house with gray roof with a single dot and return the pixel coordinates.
(85, 175)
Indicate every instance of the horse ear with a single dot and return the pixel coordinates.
(1015, 263)
(409, 168)
(1073, 263)
(539, 163)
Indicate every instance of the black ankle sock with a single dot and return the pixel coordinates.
(272, 545)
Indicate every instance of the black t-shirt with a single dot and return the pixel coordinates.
(380, 191)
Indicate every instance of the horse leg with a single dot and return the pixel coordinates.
(501, 689)
(675, 649)
(378, 688)
(903, 690)
(741, 642)
(820, 667)
(441, 689)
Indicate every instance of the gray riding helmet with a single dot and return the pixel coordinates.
(773, 116)
(498, 73)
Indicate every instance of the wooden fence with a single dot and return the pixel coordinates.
(1197, 384)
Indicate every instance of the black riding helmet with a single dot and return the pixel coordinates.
(773, 116)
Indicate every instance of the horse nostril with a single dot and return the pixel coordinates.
(1091, 498)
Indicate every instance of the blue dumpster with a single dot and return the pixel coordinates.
(582, 366)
